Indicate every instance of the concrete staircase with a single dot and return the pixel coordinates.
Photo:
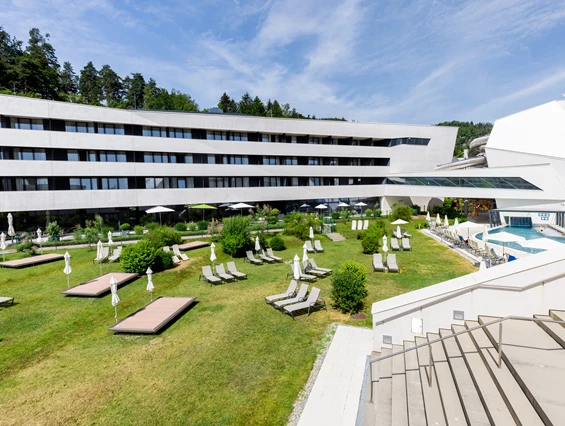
(465, 386)
(334, 236)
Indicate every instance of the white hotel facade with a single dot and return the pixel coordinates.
(68, 159)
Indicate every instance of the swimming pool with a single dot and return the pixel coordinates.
(527, 233)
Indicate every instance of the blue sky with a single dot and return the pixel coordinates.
(411, 61)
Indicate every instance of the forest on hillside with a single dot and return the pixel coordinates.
(467, 132)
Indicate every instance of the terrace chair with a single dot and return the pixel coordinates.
(105, 252)
(300, 297)
(176, 260)
(207, 273)
(177, 252)
(313, 263)
(359, 225)
(312, 302)
(365, 224)
(273, 256)
(394, 244)
(264, 257)
(116, 255)
(318, 246)
(406, 235)
(303, 277)
(308, 269)
(290, 291)
(309, 247)
(391, 263)
(378, 262)
(354, 225)
(221, 272)
(406, 244)
(233, 271)
(5, 300)
(252, 259)
(495, 257)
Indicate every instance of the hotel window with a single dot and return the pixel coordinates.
(211, 159)
(237, 136)
(30, 154)
(265, 138)
(114, 183)
(239, 159)
(177, 182)
(77, 184)
(180, 133)
(293, 139)
(79, 127)
(313, 161)
(32, 184)
(218, 136)
(113, 157)
(271, 181)
(239, 182)
(331, 161)
(314, 181)
(92, 156)
(188, 159)
(218, 182)
(270, 161)
(314, 141)
(190, 182)
(290, 161)
(111, 129)
(354, 162)
(72, 155)
(154, 131)
(27, 123)
(156, 157)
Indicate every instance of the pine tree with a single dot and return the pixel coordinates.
(245, 104)
(257, 108)
(45, 77)
(89, 85)
(269, 108)
(277, 110)
(135, 91)
(112, 86)
(10, 51)
(224, 103)
(69, 79)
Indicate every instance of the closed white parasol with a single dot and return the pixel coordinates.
(296, 268)
(115, 297)
(150, 286)
(3, 245)
(311, 233)
(11, 231)
(68, 268)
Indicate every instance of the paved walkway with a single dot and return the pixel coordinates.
(334, 399)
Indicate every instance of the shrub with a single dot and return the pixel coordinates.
(348, 287)
(138, 230)
(25, 246)
(163, 260)
(136, 258)
(277, 244)
(401, 212)
(161, 236)
(378, 213)
(235, 236)
(370, 244)
(271, 220)
(368, 212)
(181, 227)
(346, 215)
(335, 215)
(105, 231)
(298, 225)
(275, 212)
(54, 231)
(78, 233)
(125, 227)
(147, 218)
(192, 226)
(202, 225)
(152, 225)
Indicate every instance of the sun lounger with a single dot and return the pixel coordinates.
(264, 257)
(406, 235)
(308, 269)
(177, 252)
(5, 300)
(378, 262)
(354, 225)
(309, 247)
(318, 246)
(233, 271)
(312, 302)
(359, 225)
(31, 261)
(105, 251)
(100, 285)
(313, 263)
(273, 256)
(290, 291)
(222, 273)
(176, 260)
(365, 224)
(116, 255)
(301, 296)
(207, 273)
(394, 244)
(303, 277)
(391, 263)
(406, 244)
(252, 259)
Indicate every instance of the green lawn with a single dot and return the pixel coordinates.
(231, 359)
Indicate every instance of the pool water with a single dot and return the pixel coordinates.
(528, 233)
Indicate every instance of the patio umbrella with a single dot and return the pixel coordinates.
(446, 222)
(39, 239)
(466, 228)
(485, 234)
(385, 247)
(361, 204)
(438, 220)
(110, 242)
(296, 268)
(304, 206)
(150, 286)
(399, 222)
(212, 254)
(68, 268)
(428, 218)
(241, 206)
(3, 245)
(311, 233)
(115, 297)
(342, 204)
(159, 209)
(304, 254)
(398, 232)
(456, 222)
(320, 207)
(99, 250)
(203, 207)
(257, 244)
(11, 231)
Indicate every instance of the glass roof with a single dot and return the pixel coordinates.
(465, 182)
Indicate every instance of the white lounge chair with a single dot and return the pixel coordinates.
(252, 258)
(406, 244)
(300, 296)
(176, 260)
(354, 225)
(116, 255)
(391, 263)
(233, 271)
(313, 263)
(312, 302)
(264, 257)
(273, 256)
(303, 277)
(365, 224)
(5, 300)
(207, 273)
(308, 269)
(318, 246)
(359, 225)
(378, 262)
(105, 252)
(177, 252)
(394, 244)
(290, 291)
(221, 272)
(309, 247)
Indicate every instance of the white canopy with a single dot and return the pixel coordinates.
(68, 268)
(465, 229)
(321, 207)
(399, 222)
(398, 232)
(150, 287)
(438, 220)
(456, 222)
(110, 242)
(485, 234)
(159, 209)
(114, 290)
(304, 205)
(342, 204)
(241, 206)
(2, 241)
(361, 204)
(99, 250)
(445, 221)
(304, 254)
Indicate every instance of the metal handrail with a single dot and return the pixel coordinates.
(440, 339)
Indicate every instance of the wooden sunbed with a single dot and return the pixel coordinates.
(6, 300)
(154, 316)
(32, 260)
(193, 245)
(100, 285)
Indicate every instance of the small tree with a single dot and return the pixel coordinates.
(235, 236)
(136, 258)
(298, 224)
(348, 287)
(401, 212)
(54, 231)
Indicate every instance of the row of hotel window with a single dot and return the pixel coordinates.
(111, 183)
(41, 154)
(170, 132)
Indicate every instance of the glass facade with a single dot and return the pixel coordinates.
(465, 182)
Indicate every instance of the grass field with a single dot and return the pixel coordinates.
(231, 359)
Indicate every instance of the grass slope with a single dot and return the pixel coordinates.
(231, 359)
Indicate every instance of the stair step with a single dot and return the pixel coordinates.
(471, 402)
(449, 396)
(536, 361)
(432, 399)
(496, 408)
(554, 330)
(523, 412)
(369, 414)
(399, 403)
(415, 398)
(383, 406)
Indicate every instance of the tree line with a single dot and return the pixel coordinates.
(466, 133)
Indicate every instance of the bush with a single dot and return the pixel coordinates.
(377, 213)
(161, 236)
(147, 218)
(275, 212)
(181, 227)
(152, 225)
(368, 212)
(298, 225)
(202, 225)
(163, 260)
(125, 227)
(77, 233)
(335, 215)
(235, 236)
(277, 244)
(138, 230)
(348, 287)
(271, 220)
(136, 258)
(192, 226)
(54, 231)
(105, 231)
(401, 212)
(370, 244)
(26, 246)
